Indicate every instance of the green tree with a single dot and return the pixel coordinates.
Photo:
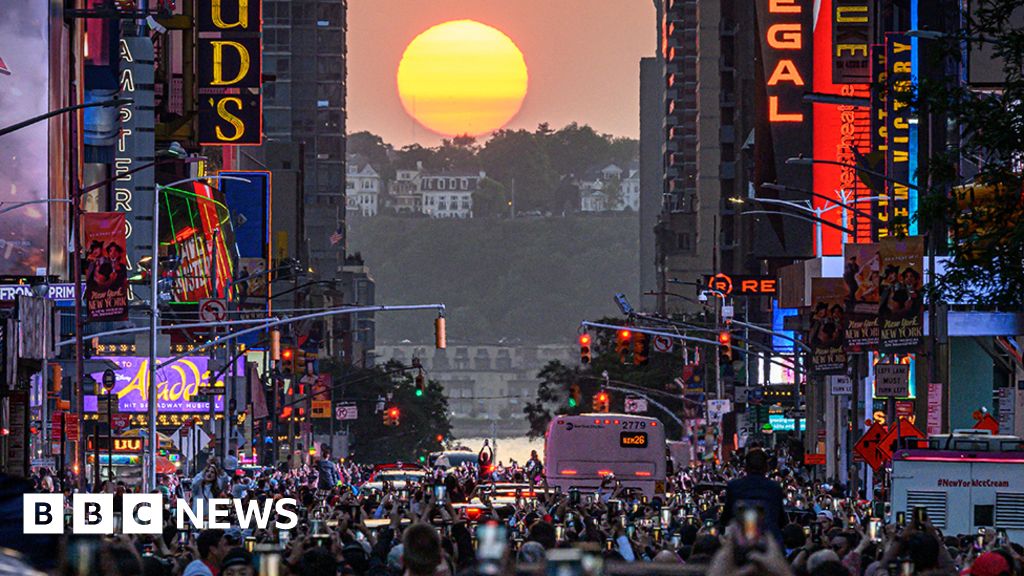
(517, 159)
(987, 236)
(613, 192)
(422, 419)
(376, 151)
(490, 200)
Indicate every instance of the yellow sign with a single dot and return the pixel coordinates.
(321, 409)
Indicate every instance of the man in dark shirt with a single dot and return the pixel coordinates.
(754, 489)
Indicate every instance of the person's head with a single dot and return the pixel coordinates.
(704, 548)
(212, 545)
(544, 533)
(840, 544)
(756, 462)
(793, 536)
(421, 550)
(923, 550)
(830, 568)
(318, 560)
(237, 562)
(993, 563)
(533, 454)
(816, 560)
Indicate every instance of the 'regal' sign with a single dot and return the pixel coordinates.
(785, 29)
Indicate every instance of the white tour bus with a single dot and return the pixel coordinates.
(966, 480)
(579, 451)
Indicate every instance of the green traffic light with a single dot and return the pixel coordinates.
(572, 402)
(423, 458)
(419, 392)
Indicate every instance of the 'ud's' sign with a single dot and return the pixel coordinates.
(230, 69)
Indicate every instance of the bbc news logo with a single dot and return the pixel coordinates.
(143, 514)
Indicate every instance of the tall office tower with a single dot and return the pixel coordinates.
(652, 166)
(304, 104)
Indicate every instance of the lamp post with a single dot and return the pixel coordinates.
(149, 477)
(105, 104)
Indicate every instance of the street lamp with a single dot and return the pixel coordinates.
(105, 104)
(846, 201)
(149, 478)
(801, 160)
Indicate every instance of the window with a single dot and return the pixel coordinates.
(367, 185)
(683, 241)
(350, 185)
(441, 184)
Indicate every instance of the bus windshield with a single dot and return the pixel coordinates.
(581, 450)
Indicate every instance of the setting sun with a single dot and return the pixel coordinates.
(462, 77)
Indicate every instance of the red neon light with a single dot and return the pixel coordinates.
(184, 234)
(568, 472)
(644, 474)
(964, 459)
(603, 472)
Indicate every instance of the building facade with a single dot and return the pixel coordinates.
(363, 186)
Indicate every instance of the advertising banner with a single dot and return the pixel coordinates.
(136, 146)
(177, 385)
(783, 123)
(24, 172)
(897, 127)
(901, 294)
(229, 56)
(828, 325)
(106, 272)
(851, 38)
(861, 271)
(934, 423)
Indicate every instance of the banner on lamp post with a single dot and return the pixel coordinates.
(106, 272)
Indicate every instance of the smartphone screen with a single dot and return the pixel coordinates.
(491, 542)
(666, 517)
(979, 540)
(901, 518)
(630, 531)
(250, 543)
(875, 530)
(560, 533)
(750, 520)
(441, 494)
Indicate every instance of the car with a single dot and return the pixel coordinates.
(456, 458)
(398, 475)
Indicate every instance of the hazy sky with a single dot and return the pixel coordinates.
(583, 58)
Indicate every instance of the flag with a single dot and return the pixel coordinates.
(3, 67)
(337, 237)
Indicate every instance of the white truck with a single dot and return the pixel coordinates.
(966, 480)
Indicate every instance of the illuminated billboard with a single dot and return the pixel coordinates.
(230, 64)
(177, 385)
(24, 168)
(841, 132)
(195, 226)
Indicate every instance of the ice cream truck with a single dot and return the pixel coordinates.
(965, 480)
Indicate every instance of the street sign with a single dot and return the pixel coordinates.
(870, 447)
(904, 430)
(892, 380)
(209, 390)
(346, 412)
(840, 385)
(71, 423)
(811, 459)
(120, 422)
(109, 378)
(635, 405)
(321, 409)
(213, 310)
(662, 344)
(56, 424)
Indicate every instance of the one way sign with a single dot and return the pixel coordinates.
(871, 446)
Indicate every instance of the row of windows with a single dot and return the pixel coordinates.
(431, 183)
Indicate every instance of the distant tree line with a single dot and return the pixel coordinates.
(537, 170)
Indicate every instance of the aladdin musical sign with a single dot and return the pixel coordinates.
(230, 68)
(177, 385)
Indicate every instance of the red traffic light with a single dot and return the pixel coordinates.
(440, 438)
(602, 396)
(393, 412)
(724, 338)
(625, 334)
(584, 339)
(287, 354)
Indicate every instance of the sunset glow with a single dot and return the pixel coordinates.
(462, 77)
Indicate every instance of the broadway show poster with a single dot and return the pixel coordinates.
(106, 272)
(862, 265)
(828, 325)
(901, 294)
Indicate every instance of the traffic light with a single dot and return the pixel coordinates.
(725, 344)
(585, 356)
(287, 361)
(574, 395)
(622, 338)
(391, 415)
(641, 349)
(601, 402)
(58, 378)
(420, 385)
(275, 345)
(440, 338)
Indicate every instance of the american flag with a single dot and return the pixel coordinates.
(337, 237)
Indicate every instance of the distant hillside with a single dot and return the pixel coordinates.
(526, 279)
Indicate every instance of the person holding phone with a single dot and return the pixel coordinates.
(755, 489)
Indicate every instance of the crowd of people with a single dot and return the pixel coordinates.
(759, 513)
